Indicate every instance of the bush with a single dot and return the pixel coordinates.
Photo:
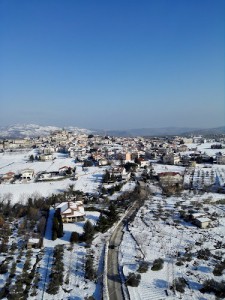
(74, 237)
(212, 286)
(143, 267)
(203, 254)
(133, 279)
(218, 270)
(3, 268)
(188, 256)
(180, 284)
(157, 264)
(179, 262)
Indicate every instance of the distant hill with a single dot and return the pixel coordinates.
(208, 131)
(33, 130)
(164, 131)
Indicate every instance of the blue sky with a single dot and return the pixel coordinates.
(112, 64)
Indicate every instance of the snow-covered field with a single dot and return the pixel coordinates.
(158, 232)
(88, 180)
(204, 148)
(75, 286)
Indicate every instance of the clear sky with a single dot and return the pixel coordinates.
(114, 64)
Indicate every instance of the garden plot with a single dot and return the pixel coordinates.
(28, 271)
(205, 178)
(187, 251)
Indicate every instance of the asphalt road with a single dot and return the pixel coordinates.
(114, 281)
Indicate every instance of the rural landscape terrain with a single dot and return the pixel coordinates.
(89, 216)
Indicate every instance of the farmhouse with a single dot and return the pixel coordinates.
(170, 178)
(27, 174)
(71, 211)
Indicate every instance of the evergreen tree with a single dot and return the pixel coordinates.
(88, 231)
(57, 225)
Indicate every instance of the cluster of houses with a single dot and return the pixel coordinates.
(10, 177)
(115, 152)
(27, 175)
(107, 150)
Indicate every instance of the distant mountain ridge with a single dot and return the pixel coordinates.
(165, 131)
(34, 130)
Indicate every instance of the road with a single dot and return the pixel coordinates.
(114, 280)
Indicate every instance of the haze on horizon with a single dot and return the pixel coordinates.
(112, 64)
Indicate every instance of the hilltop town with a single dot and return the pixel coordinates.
(71, 203)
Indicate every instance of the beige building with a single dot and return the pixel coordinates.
(128, 156)
(71, 211)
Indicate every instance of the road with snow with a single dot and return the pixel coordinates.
(114, 280)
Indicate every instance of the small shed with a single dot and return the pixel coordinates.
(202, 222)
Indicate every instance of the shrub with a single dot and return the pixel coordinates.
(212, 286)
(143, 267)
(218, 270)
(179, 262)
(180, 284)
(203, 254)
(74, 237)
(133, 279)
(157, 264)
(3, 268)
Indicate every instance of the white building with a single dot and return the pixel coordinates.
(27, 174)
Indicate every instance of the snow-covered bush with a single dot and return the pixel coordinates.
(180, 284)
(143, 267)
(157, 264)
(133, 279)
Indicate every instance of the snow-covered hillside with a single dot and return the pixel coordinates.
(34, 130)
